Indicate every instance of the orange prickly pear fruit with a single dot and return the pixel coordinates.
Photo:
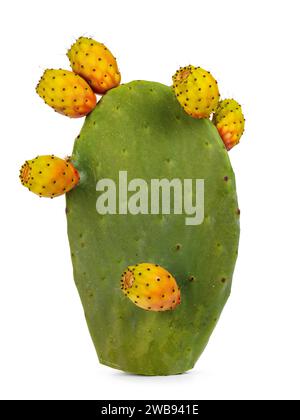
(150, 287)
(230, 122)
(49, 176)
(95, 63)
(66, 92)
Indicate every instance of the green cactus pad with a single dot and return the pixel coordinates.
(141, 128)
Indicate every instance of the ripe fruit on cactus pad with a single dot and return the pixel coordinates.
(196, 90)
(66, 92)
(49, 176)
(141, 128)
(230, 122)
(95, 63)
(150, 287)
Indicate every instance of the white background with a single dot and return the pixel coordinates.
(252, 48)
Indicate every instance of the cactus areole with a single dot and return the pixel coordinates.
(141, 128)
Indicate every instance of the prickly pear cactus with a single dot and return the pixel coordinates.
(141, 128)
(154, 269)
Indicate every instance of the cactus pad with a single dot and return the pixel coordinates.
(141, 128)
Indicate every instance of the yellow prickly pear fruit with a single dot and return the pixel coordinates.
(49, 176)
(230, 122)
(150, 287)
(95, 63)
(196, 90)
(66, 92)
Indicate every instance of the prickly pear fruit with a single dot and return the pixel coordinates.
(230, 122)
(49, 176)
(150, 287)
(95, 63)
(196, 90)
(66, 92)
